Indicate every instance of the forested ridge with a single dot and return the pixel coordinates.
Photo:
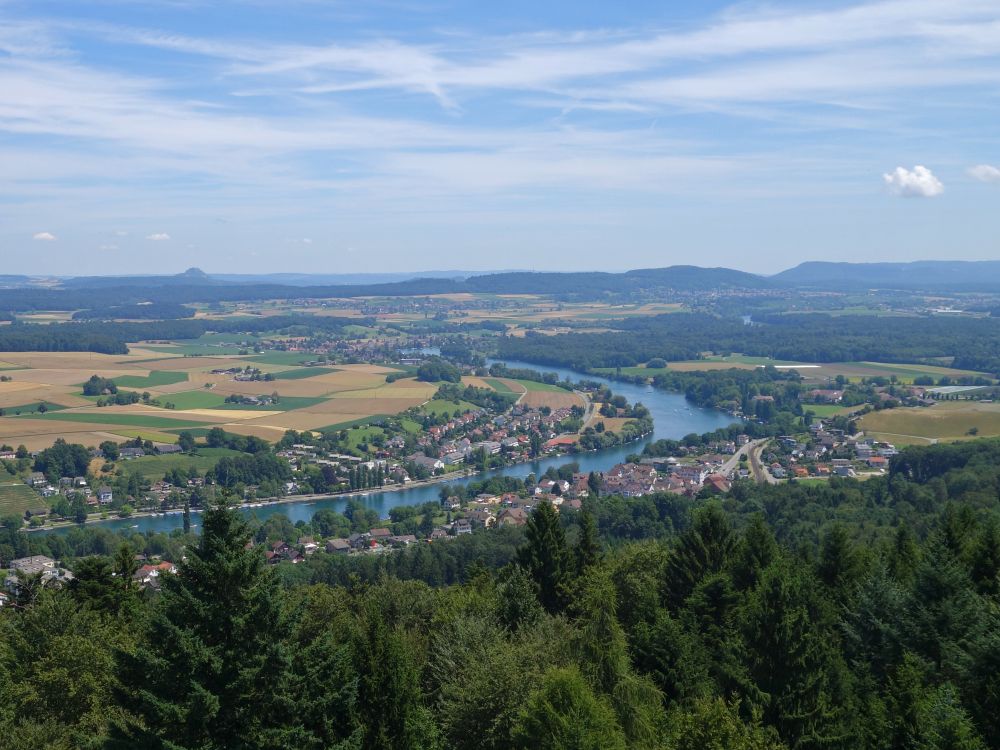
(113, 338)
(848, 615)
(969, 343)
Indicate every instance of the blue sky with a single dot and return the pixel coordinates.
(300, 135)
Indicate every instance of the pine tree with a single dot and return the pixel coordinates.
(211, 672)
(587, 551)
(546, 557)
(755, 552)
(389, 707)
(703, 549)
(791, 660)
(986, 559)
(838, 566)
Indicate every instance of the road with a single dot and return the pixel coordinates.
(760, 472)
(733, 461)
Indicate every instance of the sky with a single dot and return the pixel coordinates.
(147, 136)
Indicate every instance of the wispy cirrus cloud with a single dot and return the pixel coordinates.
(984, 173)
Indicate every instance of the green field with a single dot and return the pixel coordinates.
(499, 386)
(194, 400)
(155, 378)
(131, 420)
(948, 420)
(534, 385)
(439, 407)
(825, 411)
(285, 403)
(302, 372)
(362, 435)
(13, 411)
(156, 437)
(17, 497)
(352, 422)
(154, 467)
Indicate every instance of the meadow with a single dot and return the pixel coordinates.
(947, 420)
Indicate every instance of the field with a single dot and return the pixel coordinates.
(308, 397)
(154, 467)
(555, 399)
(17, 497)
(439, 407)
(825, 411)
(948, 420)
(156, 377)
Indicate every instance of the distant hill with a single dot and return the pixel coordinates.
(191, 277)
(312, 279)
(954, 275)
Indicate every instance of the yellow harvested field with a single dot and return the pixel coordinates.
(424, 391)
(475, 382)
(295, 420)
(69, 377)
(138, 353)
(15, 394)
(222, 415)
(369, 369)
(193, 364)
(553, 399)
(255, 430)
(345, 380)
(62, 360)
(181, 387)
(361, 406)
(611, 424)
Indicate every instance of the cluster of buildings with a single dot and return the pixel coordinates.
(828, 452)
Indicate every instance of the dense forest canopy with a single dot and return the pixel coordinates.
(969, 343)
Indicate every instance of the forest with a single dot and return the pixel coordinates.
(847, 615)
(113, 338)
(967, 343)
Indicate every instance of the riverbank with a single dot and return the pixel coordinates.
(673, 418)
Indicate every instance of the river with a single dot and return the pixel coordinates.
(673, 417)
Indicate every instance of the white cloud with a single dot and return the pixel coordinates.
(918, 182)
(109, 247)
(44, 236)
(984, 173)
(158, 236)
(307, 241)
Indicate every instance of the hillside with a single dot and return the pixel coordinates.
(925, 274)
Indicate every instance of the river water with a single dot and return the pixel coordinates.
(673, 417)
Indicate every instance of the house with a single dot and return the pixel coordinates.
(380, 535)
(147, 575)
(431, 464)
(402, 540)
(36, 479)
(512, 517)
(717, 484)
(462, 526)
(46, 567)
(132, 453)
(481, 518)
(308, 545)
(338, 546)
(104, 495)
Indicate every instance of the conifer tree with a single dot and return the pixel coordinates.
(791, 661)
(211, 672)
(546, 557)
(587, 551)
(703, 549)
